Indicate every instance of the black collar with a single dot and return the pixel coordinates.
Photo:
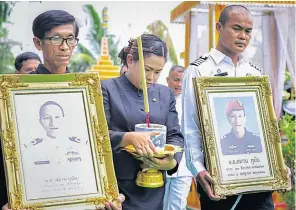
(42, 70)
(127, 84)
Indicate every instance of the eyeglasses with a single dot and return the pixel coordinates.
(58, 41)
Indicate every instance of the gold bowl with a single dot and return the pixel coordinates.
(150, 177)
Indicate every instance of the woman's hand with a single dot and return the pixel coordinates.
(141, 142)
(166, 163)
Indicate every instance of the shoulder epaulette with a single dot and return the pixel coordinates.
(199, 61)
(257, 68)
(36, 141)
(74, 139)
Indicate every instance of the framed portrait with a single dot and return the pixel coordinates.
(55, 142)
(241, 140)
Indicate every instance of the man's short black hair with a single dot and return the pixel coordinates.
(48, 20)
(19, 61)
(50, 103)
(225, 12)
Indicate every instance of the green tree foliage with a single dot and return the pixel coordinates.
(288, 126)
(159, 29)
(84, 57)
(6, 56)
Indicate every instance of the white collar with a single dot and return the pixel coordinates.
(178, 97)
(219, 56)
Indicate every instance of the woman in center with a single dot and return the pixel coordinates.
(124, 108)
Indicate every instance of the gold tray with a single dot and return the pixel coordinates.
(160, 152)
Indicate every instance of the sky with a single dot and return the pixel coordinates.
(127, 19)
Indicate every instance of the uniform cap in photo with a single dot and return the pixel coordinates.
(234, 105)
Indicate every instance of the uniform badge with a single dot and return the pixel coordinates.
(232, 147)
(154, 99)
(251, 146)
(239, 103)
(72, 153)
(73, 156)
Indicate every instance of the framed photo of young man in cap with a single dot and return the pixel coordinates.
(55, 142)
(241, 140)
(241, 135)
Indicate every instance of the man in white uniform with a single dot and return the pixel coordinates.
(234, 28)
(178, 185)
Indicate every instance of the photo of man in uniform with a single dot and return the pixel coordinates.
(55, 149)
(239, 140)
(56, 146)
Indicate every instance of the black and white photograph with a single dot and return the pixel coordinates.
(55, 146)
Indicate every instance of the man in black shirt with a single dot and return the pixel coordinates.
(55, 34)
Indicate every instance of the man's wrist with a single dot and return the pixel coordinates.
(173, 164)
(173, 170)
(198, 173)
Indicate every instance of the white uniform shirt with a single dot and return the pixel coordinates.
(182, 169)
(209, 64)
(49, 151)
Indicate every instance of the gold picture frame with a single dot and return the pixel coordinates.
(70, 166)
(241, 140)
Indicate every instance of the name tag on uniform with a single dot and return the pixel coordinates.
(221, 74)
(41, 162)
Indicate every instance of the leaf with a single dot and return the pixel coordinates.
(81, 62)
(159, 29)
(94, 36)
(96, 30)
(288, 127)
(82, 49)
